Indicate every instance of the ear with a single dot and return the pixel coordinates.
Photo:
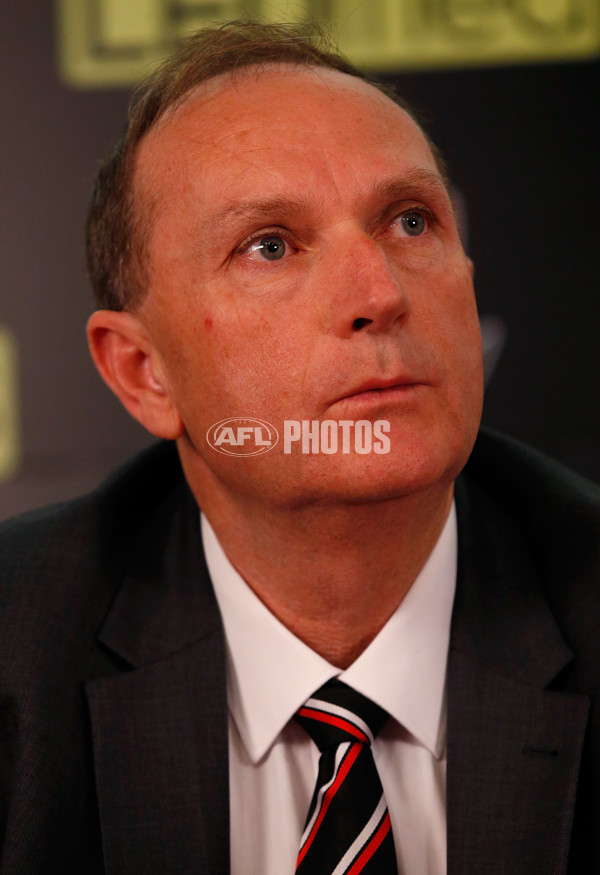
(129, 364)
(471, 267)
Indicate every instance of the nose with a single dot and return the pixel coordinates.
(367, 291)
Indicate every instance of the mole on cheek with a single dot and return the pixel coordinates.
(208, 323)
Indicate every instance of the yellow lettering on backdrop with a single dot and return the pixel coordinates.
(104, 43)
(9, 443)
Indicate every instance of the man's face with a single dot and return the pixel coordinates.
(305, 265)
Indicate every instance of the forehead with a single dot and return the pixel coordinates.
(274, 127)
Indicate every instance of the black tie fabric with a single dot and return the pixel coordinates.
(348, 827)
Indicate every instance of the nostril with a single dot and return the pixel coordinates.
(360, 323)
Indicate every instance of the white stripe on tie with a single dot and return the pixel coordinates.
(350, 716)
(362, 838)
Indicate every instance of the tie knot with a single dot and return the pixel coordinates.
(337, 713)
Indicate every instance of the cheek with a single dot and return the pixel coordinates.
(223, 370)
(454, 306)
(453, 324)
(465, 365)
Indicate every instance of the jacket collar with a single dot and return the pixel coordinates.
(166, 601)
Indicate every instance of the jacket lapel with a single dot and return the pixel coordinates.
(160, 729)
(514, 745)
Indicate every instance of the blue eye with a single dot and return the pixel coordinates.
(413, 223)
(271, 248)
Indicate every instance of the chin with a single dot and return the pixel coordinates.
(356, 479)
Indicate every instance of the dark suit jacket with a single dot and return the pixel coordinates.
(113, 714)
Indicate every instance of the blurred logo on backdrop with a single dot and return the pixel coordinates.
(105, 43)
(9, 443)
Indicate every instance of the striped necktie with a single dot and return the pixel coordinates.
(348, 828)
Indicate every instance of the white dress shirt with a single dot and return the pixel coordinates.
(273, 762)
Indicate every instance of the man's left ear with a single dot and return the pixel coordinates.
(129, 364)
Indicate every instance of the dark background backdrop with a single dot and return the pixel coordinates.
(522, 144)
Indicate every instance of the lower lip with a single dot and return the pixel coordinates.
(377, 397)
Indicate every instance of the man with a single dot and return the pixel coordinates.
(273, 242)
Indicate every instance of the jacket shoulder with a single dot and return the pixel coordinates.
(551, 503)
(555, 514)
(60, 566)
(509, 464)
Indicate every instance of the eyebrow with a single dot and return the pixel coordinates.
(394, 188)
(256, 210)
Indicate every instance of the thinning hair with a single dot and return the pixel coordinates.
(117, 227)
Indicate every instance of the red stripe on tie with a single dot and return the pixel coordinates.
(345, 725)
(368, 851)
(345, 767)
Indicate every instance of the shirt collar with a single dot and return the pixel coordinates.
(271, 672)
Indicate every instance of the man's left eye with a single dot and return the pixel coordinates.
(271, 248)
(412, 223)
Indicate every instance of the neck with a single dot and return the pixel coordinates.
(334, 574)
